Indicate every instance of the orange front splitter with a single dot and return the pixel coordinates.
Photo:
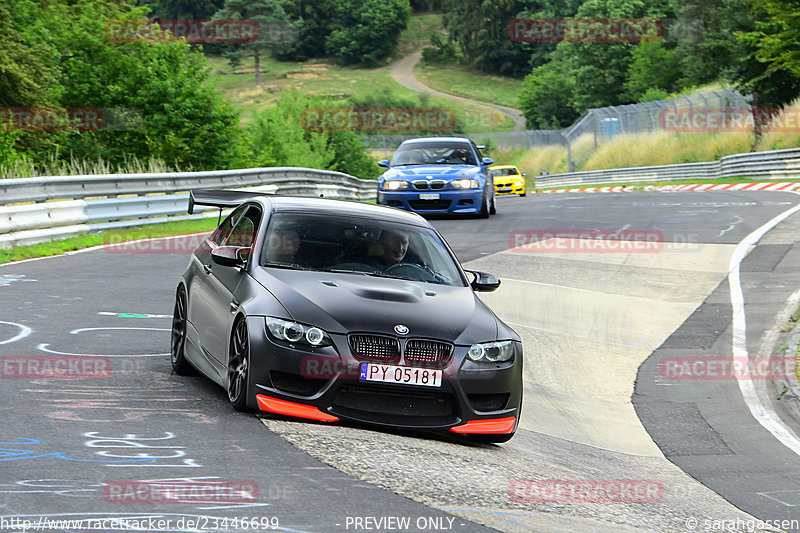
(298, 410)
(488, 426)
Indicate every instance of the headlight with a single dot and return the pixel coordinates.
(519, 183)
(464, 184)
(492, 352)
(394, 185)
(288, 331)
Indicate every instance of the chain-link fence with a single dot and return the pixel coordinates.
(602, 124)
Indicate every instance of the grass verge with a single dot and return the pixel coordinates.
(317, 77)
(463, 81)
(145, 231)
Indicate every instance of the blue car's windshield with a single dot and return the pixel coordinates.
(434, 153)
(333, 243)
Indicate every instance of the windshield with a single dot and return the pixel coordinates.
(497, 172)
(434, 153)
(331, 243)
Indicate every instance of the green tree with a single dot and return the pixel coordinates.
(703, 31)
(764, 64)
(162, 84)
(546, 95)
(277, 138)
(182, 9)
(275, 30)
(653, 67)
(24, 80)
(349, 30)
(481, 30)
(317, 24)
(778, 30)
(601, 68)
(366, 31)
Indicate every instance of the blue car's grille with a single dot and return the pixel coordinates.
(422, 205)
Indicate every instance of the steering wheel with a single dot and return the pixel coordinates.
(411, 270)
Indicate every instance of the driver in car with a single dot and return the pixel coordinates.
(394, 245)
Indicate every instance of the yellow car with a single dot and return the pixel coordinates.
(507, 179)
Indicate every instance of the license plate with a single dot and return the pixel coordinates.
(401, 374)
(429, 196)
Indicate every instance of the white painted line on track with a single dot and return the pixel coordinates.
(24, 331)
(763, 413)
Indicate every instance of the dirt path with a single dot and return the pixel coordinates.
(402, 71)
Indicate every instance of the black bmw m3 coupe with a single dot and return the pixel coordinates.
(331, 310)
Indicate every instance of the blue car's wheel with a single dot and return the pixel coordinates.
(485, 207)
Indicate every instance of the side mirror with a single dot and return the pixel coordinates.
(524, 174)
(488, 161)
(230, 256)
(384, 163)
(484, 281)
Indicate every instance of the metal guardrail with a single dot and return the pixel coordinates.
(109, 201)
(90, 203)
(771, 165)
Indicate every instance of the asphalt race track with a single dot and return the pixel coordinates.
(597, 325)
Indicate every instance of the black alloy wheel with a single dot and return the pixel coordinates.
(178, 346)
(239, 366)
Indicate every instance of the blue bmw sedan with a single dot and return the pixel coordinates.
(438, 175)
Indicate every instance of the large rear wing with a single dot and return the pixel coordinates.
(220, 198)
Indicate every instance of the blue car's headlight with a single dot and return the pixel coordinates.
(464, 184)
(394, 185)
(492, 352)
(288, 331)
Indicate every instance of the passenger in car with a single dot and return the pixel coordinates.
(282, 246)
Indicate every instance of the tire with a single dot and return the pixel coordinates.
(239, 366)
(485, 210)
(178, 346)
(493, 209)
(523, 194)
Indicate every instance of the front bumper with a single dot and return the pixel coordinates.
(508, 188)
(447, 201)
(325, 386)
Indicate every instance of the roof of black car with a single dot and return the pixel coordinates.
(281, 204)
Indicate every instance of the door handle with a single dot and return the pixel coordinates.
(207, 268)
